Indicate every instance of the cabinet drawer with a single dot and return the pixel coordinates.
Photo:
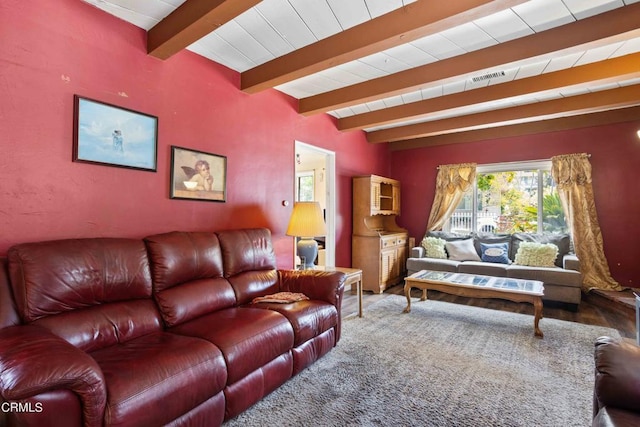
(401, 241)
(387, 242)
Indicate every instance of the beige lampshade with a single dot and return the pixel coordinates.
(306, 220)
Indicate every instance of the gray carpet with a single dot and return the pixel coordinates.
(443, 364)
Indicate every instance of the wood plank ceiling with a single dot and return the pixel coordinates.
(414, 73)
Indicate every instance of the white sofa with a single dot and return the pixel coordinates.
(562, 283)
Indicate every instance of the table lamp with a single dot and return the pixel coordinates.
(307, 222)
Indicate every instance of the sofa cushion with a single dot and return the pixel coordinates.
(187, 275)
(434, 247)
(562, 241)
(64, 275)
(155, 379)
(417, 264)
(309, 318)
(483, 268)
(495, 252)
(92, 292)
(536, 254)
(551, 275)
(462, 250)
(249, 338)
(249, 263)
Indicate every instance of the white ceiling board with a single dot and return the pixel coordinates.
(598, 54)
(384, 63)
(132, 16)
(286, 21)
(410, 55)
(254, 24)
(542, 15)
(393, 101)
(469, 37)
(408, 98)
(362, 70)
(349, 13)
(432, 92)
(454, 87)
(381, 7)
(629, 82)
(438, 46)
(318, 16)
(532, 69)
(563, 62)
(213, 46)
(628, 47)
(504, 26)
(246, 44)
(585, 8)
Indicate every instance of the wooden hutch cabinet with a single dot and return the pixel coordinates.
(379, 245)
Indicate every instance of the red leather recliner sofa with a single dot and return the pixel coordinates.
(154, 331)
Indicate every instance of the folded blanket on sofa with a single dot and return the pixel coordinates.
(281, 297)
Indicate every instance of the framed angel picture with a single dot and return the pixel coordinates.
(196, 175)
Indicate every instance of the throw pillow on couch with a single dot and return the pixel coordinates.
(434, 247)
(462, 250)
(495, 252)
(536, 254)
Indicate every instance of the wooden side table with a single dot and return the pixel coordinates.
(353, 277)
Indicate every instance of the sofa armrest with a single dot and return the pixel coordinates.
(417, 252)
(617, 374)
(320, 285)
(33, 360)
(571, 262)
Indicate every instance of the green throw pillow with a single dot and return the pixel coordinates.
(434, 247)
(537, 254)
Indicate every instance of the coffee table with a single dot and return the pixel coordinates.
(478, 286)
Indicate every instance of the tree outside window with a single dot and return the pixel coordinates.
(505, 200)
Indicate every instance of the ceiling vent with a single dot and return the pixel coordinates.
(488, 76)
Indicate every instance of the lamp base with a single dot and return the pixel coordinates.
(307, 251)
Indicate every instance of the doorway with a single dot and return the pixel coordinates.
(315, 170)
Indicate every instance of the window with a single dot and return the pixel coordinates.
(511, 198)
(305, 186)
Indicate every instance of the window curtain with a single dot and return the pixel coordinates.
(451, 183)
(572, 174)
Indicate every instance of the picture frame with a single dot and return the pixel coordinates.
(190, 178)
(106, 134)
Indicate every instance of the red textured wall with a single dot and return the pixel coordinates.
(51, 50)
(615, 160)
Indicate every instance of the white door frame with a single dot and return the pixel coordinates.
(330, 174)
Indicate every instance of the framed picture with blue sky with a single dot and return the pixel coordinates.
(109, 135)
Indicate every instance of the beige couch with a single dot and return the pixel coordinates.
(562, 283)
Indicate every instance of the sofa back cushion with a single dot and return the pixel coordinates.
(249, 262)
(92, 292)
(187, 273)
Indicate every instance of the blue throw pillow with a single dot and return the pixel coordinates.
(495, 252)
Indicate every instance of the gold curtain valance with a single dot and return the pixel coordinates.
(571, 169)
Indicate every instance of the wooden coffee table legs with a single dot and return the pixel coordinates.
(476, 293)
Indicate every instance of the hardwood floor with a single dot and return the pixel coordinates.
(612, 311)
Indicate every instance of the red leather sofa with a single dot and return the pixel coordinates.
(616, 392)
(154, 331)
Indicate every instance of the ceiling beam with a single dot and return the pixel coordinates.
(597, 101)
(601, 72)
(400, 26)
(567, 38)
(552, 125)
(190, 22)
